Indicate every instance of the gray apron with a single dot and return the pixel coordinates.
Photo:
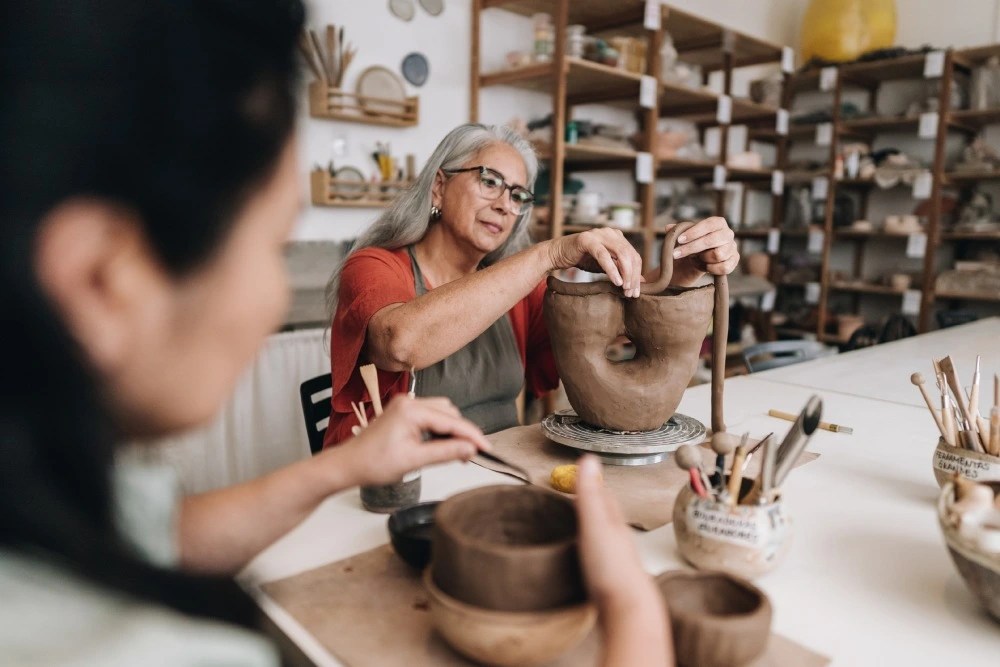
(483, 378)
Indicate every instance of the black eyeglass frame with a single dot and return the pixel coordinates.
(483, 170)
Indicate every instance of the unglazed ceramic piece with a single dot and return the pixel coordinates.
(980, 570)
(972, 465)
(717, 620)
(667, 326)
(508, 638)
(744, 540)
(508, 548)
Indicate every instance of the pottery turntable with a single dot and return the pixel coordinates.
(625, 448)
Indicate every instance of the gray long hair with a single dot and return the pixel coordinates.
(406, 221)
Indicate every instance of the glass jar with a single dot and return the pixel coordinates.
(387, 498)
(545, 38)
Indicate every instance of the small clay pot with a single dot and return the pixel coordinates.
(743, 540)
(717, 620)
(981, 571)
(507, 638)
(900, 281)
(410, 531)
(971, 465)
(508, 548)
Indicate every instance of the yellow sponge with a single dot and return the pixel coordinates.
(564, 478)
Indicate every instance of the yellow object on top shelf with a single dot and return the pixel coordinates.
(842, 30)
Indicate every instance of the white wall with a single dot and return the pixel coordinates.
(944, 23)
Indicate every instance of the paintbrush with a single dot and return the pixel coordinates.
(918, 381)
(736, 472)
(788, 416)
(974, 393)
(753, 450)
(369, 374)
(948, 421)
(948, 368)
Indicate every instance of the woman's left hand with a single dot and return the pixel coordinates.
(707, 247)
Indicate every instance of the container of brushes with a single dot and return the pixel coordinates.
(974, 466)
(742, 540)
(979, 567)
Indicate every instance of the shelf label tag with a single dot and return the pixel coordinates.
(781, 122)
(853, 164)
(773, 241)
(767, 301)
(787, 59)
(922, 185)
(911, 302)
(820, 186)
(719, 177)
(824, 134)
(828, 78)
(644, 168)
(815, 244)
(651, 20)
(647, 92)
(812, 293)
(934, 64)
(916, 245)
(724, 111)
(777, 183)
(928, 125)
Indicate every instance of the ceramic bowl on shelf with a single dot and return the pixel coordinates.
(506, 638)
(717, 620)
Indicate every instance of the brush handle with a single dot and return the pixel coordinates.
(736, 474)
(934, 413)
(948, 420)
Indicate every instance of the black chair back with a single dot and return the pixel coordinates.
(316, 407)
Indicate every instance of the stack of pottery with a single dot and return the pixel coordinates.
(504, 583)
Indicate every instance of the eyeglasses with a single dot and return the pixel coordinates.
(492, 186)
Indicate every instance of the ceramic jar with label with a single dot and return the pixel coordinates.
(974, 466)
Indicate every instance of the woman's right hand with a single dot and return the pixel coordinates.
(600, 250)
(394, 443)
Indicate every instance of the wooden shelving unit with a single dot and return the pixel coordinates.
(573, 81)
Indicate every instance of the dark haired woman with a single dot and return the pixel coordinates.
(147, 186)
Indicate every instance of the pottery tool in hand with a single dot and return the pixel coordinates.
(522, 474)
(688, 458)
(834, 428)
(918, 381)
(796, 439)
(369, 374)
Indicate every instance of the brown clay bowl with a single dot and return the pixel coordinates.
(508, 548)
(508, 637)
(717, 620)
(980, 570)
(971, 465)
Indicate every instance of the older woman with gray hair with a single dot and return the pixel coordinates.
(445, 283)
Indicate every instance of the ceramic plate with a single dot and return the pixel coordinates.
(346, 190)
(381, 82)
(432, 7)
(415, 69)
(403, 9)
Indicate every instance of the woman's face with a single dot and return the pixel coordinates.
(170, 349)
(475, 221)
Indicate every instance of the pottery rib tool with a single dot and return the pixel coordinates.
(521, 472)
(796, 439)
(369, 374)
(689, 458)
(834, 428)
(918, 381)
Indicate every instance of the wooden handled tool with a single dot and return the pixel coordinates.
(314, 39)
(948, 421)
(825, 426)
(306, 49)
(736, 474)
(722, 445)
(688, 458)
(948, 368)
(974, 393)
(918, 380)
(369, 374)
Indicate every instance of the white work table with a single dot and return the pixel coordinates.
(884, 371)
(867, 581)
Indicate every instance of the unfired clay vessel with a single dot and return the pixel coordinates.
(981, 571)
(717, 620)
(667, 326)
(744, 540)
(974, 466)
(508, 548)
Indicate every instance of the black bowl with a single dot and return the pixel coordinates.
(410, 531)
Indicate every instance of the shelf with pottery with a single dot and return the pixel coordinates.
(866, 288)
(592, 157)
(325, 190)
(713, 46)
(970, 177)
(967, 296)
(864, 235)
(970, 236)
(796, 132)
(701, 106)
(621, 16)
(586, 81)
(871, 74)
(337, 104)
(871, 126)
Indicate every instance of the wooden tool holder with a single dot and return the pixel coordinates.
(329, 191)
(338, 104)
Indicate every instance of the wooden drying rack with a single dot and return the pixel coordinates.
(338, 104)
(329, 191)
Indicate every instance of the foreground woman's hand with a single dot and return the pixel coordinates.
(631, 611)
(707, 247)
(600, 250)
(394, 444)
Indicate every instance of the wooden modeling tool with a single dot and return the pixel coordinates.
(369, 374)
(948, 368)
(763, 485)
(948, 421)
(788, 416)
(796, 439)
(359, 412)
(688, 458)
(918, 380)
(994, 448)
(331, 51)
(974, 393)
(736, 473)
